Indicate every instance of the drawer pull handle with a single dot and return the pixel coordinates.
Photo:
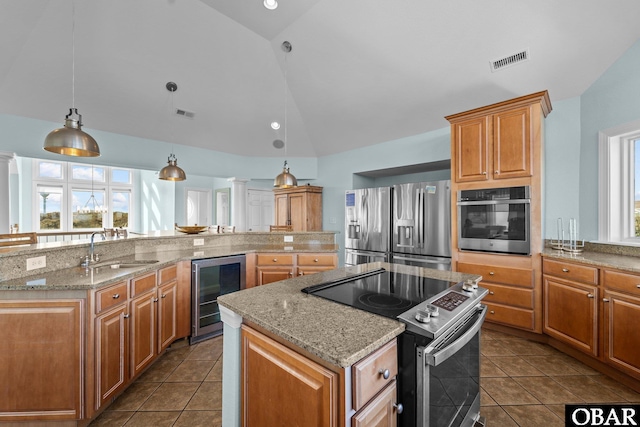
(638, 286)
(490, 292)
(399, 407)
(385, 373)
(290, 274)
(275, 260)
(491, 273)
(605, 299)
(315, 260)
(565, 270)
(126, 316)
(116, 296)
(589, 295)
(492, 312)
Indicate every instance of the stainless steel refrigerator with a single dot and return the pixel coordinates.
(422, 224)
(367, 225)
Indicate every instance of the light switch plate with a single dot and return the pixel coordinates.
(288, 238)
(36, 262)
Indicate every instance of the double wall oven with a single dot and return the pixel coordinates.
(438, 354)
(495, 220)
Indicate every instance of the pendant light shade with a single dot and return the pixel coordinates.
(285, 179)
(71, 140)
(172, 172)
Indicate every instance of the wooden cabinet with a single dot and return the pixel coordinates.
(380, 412)
(282, 387)
(571, 298)
(111, 337)
(300, 207)
(497, 141)
(42, 360)
(167, 307)
(512, 295)
(373, 373)
(143, 309)
(276, 266)
(621, 317)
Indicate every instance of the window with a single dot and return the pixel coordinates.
(80, 197)
(619, 192)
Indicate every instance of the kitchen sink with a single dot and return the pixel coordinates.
(125, 264)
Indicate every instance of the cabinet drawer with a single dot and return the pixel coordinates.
(509, 295)
(275, 259)
(324, 260)
(368, 373)
(168, 274)
(142, 284)
(111, 297)
(570, 271)
(626, 282)
(512, 316)
(505, 275)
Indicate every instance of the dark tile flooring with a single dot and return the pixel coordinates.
(524, 384)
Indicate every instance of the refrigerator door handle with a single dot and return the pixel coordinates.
(421, 227)
(418, 219)
(425, 261)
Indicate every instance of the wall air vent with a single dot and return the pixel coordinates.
(508, 61)
(185, 113)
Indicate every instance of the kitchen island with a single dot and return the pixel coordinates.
(310, 330)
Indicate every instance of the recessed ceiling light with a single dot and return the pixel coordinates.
(270, 4)
(275, 125)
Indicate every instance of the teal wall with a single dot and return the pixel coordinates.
(570, 160)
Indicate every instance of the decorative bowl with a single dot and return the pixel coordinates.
(191, 229)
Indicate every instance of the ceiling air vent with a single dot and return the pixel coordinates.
(185, 113)
(508, 61)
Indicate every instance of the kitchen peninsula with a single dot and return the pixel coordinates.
(78, 337)
(319, 360)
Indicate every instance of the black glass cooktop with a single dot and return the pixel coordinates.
(382, 292)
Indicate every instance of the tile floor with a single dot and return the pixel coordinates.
(524, 384)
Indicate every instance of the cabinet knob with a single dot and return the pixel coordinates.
(484, 173)
(491, 273)
(565, 270)
(605, 299)
(589, 295)
(301, 273)
(290, 274)
(497, 172)
(490, 292)
(275, 260)
(116, 296)
(638, 286)
(163, 296)
(155, 300)
(399, 407)
(126, 316)
(492, 312)
(385, 373)
(315, 260)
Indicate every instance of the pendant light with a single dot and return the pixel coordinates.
(71, 140)
(285, 179)
(172, 172)
(95, 206)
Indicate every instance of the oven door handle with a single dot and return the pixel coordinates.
(434, 357)
(493, 202)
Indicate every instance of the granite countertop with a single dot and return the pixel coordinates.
(597, 259)
(79, 278)
(336, 333)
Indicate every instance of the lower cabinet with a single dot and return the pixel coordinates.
(282, 387)
(42, 360)
(273, 267)
(112, 344)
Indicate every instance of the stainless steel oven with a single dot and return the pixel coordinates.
(495, 220)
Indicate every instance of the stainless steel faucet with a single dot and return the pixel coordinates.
(92, 257)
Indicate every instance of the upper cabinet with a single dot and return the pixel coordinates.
(498, 141)
(300, 207)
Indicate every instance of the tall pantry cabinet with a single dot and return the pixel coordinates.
(299, 207)
(501, 145)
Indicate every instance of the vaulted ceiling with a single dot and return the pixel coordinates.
(360, 72)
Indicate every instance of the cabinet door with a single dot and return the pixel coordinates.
(471, 145)
(298, 211)
(143, 331)
(621, 333)
(167, 315)
(305, 271)
(112, 372)
(380, 412)
(41, 361)
(281, 216)
(570, 313)
(273, 274)
(512, 154)
(280, 387)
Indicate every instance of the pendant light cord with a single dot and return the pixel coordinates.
(285, 105)
(73, 54)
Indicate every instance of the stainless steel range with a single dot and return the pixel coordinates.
(439, 353)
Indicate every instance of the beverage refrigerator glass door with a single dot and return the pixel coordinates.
(495, 220)
(211, 278)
